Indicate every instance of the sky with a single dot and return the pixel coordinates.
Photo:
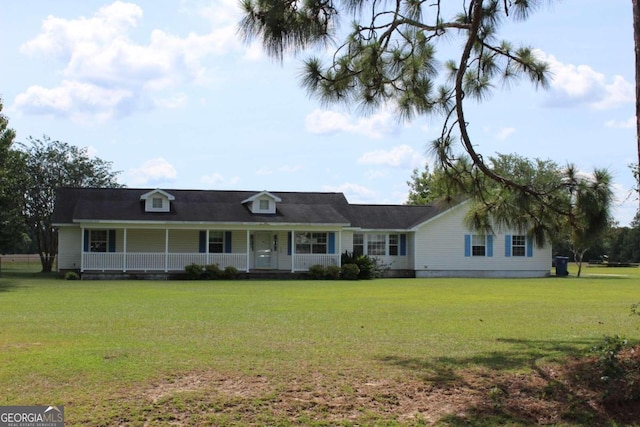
(169, 93)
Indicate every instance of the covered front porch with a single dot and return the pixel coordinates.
(167, 250)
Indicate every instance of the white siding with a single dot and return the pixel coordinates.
(184, 241)
(239, 241)
(440, 251)
(69, 248)
(149, 241)
(283, 259)
(347, 241)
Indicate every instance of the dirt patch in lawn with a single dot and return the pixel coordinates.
(572, 393)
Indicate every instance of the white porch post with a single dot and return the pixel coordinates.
(81, 249)
(293, 251)
(166, 250)
(339, 248)
(206, 247)
(124, 251)
(248, 249)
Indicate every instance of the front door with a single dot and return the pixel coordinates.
(264, 255)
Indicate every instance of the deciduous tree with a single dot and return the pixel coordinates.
(12, 229)
(585, 198)
(48, 165)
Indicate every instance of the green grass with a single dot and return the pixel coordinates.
(77, 343)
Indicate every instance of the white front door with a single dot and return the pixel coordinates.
(264, 255)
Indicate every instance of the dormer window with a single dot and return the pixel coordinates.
(262, 203)
(157, 201)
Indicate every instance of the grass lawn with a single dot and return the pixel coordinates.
(298, 352)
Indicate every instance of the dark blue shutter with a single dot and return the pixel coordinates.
(489, 245)
(403, 245)
(86, 241)
(227, 242)
(289, 243)
(202, 246)
(529, 247)
(332, 243)
(507, 245)
(467, 245)
(112, 241)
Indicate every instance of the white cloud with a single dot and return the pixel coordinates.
(264, 172)
(80, 101)
(402, 156)
(219, 180)
(173, 102)
(376, 126)
(581, 84)
(622, 124)
(355, 193)
(99, 52)
(505, 133)
(376, 174)
(153, 171)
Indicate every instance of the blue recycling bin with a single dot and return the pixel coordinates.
(561, 266)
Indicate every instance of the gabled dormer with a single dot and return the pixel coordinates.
(262, 203)
(157, 201)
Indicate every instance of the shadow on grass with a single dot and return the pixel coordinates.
(13, 279)
(523, 354)
(533, 382)
(7, 285)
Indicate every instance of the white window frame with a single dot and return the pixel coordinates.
(97, 243)
(518, 246)
(478, 245)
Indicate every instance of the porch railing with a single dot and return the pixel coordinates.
(302, 262)
(158, 261)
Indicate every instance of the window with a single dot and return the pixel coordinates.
(376, 244)
(311, 243)
(264, 205)
(98, 241)
(216, 242)
(518, 245)
(358, 244)
(478, 245)
(393, 244)
(156, 203)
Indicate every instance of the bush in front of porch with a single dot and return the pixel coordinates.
(210, 272)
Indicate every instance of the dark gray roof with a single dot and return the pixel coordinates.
(124, 204)
(390, 216)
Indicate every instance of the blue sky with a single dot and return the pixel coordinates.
(169, 94)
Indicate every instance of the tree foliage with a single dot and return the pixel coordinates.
(586, 199)
(12, 230)
(389, 57)
(47, 165)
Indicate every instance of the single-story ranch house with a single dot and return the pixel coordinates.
(125, 231)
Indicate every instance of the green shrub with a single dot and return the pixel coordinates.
(608, 360)
(194, 271)
(212, 272)
(317, 272)
(333, 272)
(350, 272)
(368, 266)
(72, 275)
(230, 272)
